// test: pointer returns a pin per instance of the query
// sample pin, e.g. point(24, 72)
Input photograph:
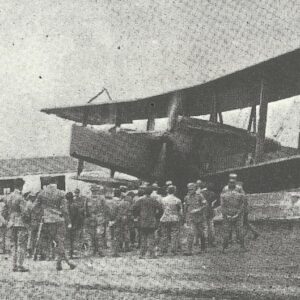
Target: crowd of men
point(151, 218)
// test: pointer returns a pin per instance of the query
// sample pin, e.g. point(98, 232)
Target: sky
point(55, 53)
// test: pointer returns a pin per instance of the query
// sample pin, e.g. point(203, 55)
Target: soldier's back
point(51, 200)
point(14, 209)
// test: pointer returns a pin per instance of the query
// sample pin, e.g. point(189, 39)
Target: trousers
point(170, 235)
point(121, 237)
point(147, 241)
point(93, 238)
point(19, 237)
point(233, 225)
point(211, 231)
point(56, 236)
point(3, 238)
point(197, 228)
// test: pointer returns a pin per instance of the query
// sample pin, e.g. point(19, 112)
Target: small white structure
point(34, 170)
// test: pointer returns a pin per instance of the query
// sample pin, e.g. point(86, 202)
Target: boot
point(101, 254)
point(22, 269)
point(58, 266)
point(203, 244)
point(72, 266)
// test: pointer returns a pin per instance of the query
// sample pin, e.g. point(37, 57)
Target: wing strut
point(262, 123)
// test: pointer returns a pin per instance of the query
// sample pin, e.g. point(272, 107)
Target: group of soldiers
point(151, 218)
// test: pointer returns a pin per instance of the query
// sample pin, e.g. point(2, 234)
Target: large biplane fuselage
point(191, 150)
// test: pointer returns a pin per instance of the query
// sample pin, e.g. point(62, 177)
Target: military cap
point(77, 191)
point(148, 190)
point(69, 196)
point(232, 177)
point(191, 185)
point(131, 193)
point(117, 192)
point(169, 182)
point(30, 194)
point(123, 188)
point(95, 188)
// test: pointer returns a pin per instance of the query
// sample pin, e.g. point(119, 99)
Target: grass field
point(269, 270)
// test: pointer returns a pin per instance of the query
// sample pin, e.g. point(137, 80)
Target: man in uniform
point(199, 186)
point(211, 200)
point(170, 220)
point(232, 207)
point(78, 219)
point(3, 228)
point(129, 198)
point(139, 195)
point(195, 211)
point(113, 204)
point(35, 218)
point(96, 212)
point(148, 210)
point(16, 214)
point(56, 218)
point(123, 190)
point(73, 213)
point(121, 215)
point(158, 232)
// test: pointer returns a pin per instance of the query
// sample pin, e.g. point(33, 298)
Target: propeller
point(173, 111)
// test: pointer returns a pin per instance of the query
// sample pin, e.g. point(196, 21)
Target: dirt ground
point(269, 270)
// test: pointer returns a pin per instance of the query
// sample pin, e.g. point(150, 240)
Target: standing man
point(199, 186)
point(170, 221)
point(211, 200)
point(56, 218)
point(129, 198)
point(73, 213)
point(123, 190)
point(3, 228)
point(136, 220)
point(96, 212)
point(16, 214)
point(148, 210)
point(113, 207)
point(158, 232)
point(232, 207)
point(78, 219)
point(195, 211)
point(121, 217)
point(35, 217)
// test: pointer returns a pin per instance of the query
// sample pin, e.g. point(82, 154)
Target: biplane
point(194, 148)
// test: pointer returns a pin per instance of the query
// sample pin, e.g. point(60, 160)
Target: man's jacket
point(15, 210)
point(54, 205)
point(149, 210)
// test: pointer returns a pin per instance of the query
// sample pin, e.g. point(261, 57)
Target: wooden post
point(252, 119)
point(84, 124)
point(151, 117)
point(174, 108)
point(214, 111)
point(220, 117)
point(262, 123)
point(112, 173)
